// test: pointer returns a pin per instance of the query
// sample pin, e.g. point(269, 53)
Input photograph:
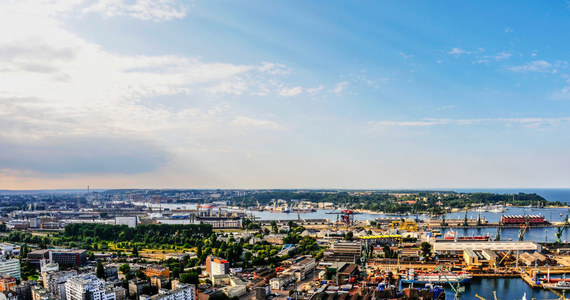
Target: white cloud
point(405, 56)
point(340, 87)
point(155, 10)
point(534, 66)
point(246, 122)
point(457, 51)
point(316, 90)
point(55, 84)
point(502, 56)
point(291, 92)
point(525, 122)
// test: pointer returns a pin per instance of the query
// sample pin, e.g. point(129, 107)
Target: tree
point(191, 277)
point(100, 270)
point(465, 220)
point(125, 268)
point(274, 227)
point(426, 250)
point(348, 236)
point(135, 251)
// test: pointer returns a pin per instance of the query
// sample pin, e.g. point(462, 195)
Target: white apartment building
point(182, 292)
point(10, 267)
point(87, 287)
point(54, 282)
point(9, 249)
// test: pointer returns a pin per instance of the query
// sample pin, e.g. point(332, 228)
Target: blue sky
point(284, 94)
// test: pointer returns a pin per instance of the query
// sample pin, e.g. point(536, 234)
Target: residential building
point(217, 266)
point(7, 283)
point(87, 287)
point(281, 282)
point(182, 292)
point(10, 267)
point(160, 281)
point(9, 249)
point(156, 270)
point(39, 293)
point(54, 282)
point(136, 287)
point(24, 289)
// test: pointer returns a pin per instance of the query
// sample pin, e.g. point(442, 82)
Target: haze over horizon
point(296, 94)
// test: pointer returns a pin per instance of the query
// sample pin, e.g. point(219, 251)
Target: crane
point(456, 289)
point(523, 228)
point(560, 229)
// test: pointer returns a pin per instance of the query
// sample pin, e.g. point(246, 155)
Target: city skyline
point(251, 94)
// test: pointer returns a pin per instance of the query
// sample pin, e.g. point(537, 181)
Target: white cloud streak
point(525, 122)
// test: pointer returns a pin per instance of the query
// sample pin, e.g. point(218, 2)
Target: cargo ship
point(452, 235)
point(435, 278)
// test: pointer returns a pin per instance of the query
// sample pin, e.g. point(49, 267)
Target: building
point(450, 246)
point(87, 287)
point(152, 271)
point(304, 267)
point(24, 289)
point(136, 287)
point(182, 292)
point(111, 273)
point(9, 249)
point(68, 257)
point(217, 266)
point(8, 295)
point(343, 251)
point(281, 282)
point(131, 222)
point(518, 219)
point(54, 282)
point(10, 267)
point(36, 256)
point(160, 281)
point(7, 283)
point(64, 257)
point(39, 293)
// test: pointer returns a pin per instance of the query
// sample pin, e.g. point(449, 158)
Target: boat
point(452, 235)
point(436, 278)
point(561, 285)
point(436, 232)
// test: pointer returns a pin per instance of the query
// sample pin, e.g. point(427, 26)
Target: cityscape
point(284, 150)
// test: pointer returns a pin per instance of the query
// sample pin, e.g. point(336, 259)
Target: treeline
point(419, 202)
point(163, 234)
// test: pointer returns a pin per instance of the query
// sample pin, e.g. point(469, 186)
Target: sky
point(284, 94)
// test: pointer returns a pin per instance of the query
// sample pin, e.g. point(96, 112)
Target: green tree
point(426, 250)
point(191, 277)
point(100, 270)
point(125, 268)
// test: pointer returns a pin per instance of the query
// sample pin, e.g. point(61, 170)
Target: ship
point(452, 235)
point(561, 285)
point(436, 278)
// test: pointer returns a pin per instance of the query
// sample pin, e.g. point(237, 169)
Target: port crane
point(457, 289)
point(560, 229)
point(524, 228)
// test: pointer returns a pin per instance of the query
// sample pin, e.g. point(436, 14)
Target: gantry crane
point(560, 229)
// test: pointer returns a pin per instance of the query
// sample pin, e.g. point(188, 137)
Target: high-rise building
point(54, 282)
point(10, 267)
point(217, 266)
point(87, 287)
